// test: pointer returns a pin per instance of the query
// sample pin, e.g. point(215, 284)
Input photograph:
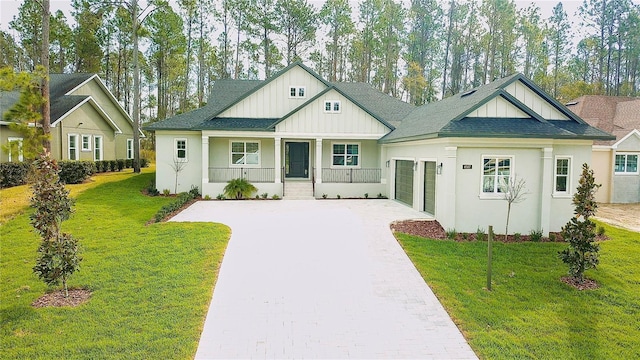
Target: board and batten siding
point(534, 101)
point(272, 100)
point(500, 108)
point(351, 119)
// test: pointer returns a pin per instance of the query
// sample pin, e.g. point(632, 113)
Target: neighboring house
point(87, 122)
point(615, 162)
point(448, 159)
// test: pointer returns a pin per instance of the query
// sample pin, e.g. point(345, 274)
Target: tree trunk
point(136, 89)
point(46, 106)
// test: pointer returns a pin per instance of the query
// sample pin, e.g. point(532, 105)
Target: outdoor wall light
point(388, 162)
point(439, 169)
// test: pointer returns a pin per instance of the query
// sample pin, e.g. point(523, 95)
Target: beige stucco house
point(298, 134)
point(615, 162)
point(87, 122)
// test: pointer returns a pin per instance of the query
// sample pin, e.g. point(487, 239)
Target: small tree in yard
point(177, 166)
point(514, 192)
point(58, 252)
point(582, 253)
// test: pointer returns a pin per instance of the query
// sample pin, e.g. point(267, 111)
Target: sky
point(9, 8)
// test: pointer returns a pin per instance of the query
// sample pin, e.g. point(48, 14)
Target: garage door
point(404, 181)
point(430, 187)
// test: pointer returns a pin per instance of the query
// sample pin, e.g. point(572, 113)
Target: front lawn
point(151, 284)
point(530, 313)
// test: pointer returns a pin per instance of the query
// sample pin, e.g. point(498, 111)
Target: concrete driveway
point(320, 279)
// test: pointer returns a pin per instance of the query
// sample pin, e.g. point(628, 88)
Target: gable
point(87, 117)
point(107, 102)
point(498, 107)
point(312, 119)
point(272, 100)
point(534, 101)
point(631, 142)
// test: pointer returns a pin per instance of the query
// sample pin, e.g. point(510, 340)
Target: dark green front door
point(404, 181)
point(297, 159)
point(430, 187)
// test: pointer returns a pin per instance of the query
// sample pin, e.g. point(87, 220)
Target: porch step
point(298, 190)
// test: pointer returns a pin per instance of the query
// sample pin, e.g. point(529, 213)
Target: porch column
point(318, 161)
point(278, 160)
point(205, 161)
point(547, 189)
point(448, 217)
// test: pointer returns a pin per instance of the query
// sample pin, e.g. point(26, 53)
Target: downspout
point(61, 142)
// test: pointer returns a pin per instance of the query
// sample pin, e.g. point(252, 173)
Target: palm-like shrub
point(239, 189)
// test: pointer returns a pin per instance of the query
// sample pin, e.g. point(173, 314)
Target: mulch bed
point(586, 284)
point(57, 299)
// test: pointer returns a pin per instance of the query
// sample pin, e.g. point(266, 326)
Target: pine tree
point(582, 253)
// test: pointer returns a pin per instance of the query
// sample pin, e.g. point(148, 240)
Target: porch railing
point(258, 175)
point(330, 175)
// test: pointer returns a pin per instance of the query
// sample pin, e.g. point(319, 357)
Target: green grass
point(151, 284)
point(529, 313)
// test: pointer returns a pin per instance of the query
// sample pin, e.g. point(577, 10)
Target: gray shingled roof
point(237, 124)
point(382, 105)
point(447, 118)
point(59, 85)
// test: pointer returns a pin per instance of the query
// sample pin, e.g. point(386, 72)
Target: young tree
point(579, 232)
point(58, 252)
point(514, 192)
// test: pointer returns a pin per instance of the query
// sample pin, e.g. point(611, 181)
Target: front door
point(297, 159)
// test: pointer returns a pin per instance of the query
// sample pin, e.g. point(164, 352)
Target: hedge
point(13, 174)
point(176, 205)
point(75, 172)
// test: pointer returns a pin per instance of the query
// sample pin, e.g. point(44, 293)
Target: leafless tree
point(514, 191)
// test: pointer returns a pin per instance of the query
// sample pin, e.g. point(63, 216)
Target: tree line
point(419, 50)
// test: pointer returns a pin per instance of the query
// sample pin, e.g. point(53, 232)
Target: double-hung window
point(496, 174)
point(245, 153)
point(180, 149)
point(15, 149)
point(297, 91)
point(72, 142)
point(332, 106)
point(86, 142)
point(129, 148)
point(562, 177)
point(346, 154)
point(97, 148)
point(626, 164)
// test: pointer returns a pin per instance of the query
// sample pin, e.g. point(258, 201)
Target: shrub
point(166, 192)
point(220, 197)
point(324, 196)
point(151, 189)
point(13, 174)
point(517, 237)
point(176, 205)
point(552, 237)
point(535, 235)
point(380, 196)
point(195, 191)
point(338, 196)
point(275, 197)
point(239, 189)
point(75, 172)
point(128, 163)
point(600, 231)
point(480, 235)
point(120, 164)
point(264, 195)
point(366, 195)
point(451, 234)
point(113, 165)
point(207, 197)
point(144, 163)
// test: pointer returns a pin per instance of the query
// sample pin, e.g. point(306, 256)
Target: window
point(245, 153)
point(181, 149)
point(496, 173)
point(97, 148)
point(86, 142)
point(562, 178)
point(626, 164)
point(129, 148)
point(346, 154)
point(15, 149)
point(297, 91)
point(73, 147)
point(332, 106)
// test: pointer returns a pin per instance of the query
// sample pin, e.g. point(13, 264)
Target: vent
point(571, 103)
point(467, 93)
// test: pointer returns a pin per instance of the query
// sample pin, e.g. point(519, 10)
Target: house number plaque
point(467, 166)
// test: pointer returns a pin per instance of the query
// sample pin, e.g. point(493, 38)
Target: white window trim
point(20, 148)
point(297, 88)
point(568, 193)
point(332, 102)
point(76, 149)
point(82, 148)
point(101, 148)
point(245, 141)
point(186, 150)
point(345, 143)
point(626, 155)
point(130, 142)
point(512, 170)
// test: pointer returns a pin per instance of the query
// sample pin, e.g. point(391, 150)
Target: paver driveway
point(320, 279)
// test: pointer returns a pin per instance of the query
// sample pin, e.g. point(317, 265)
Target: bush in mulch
point(57, 299)
point(586, 284)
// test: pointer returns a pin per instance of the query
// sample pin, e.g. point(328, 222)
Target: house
point(87, 122)
point(450, 159)
point(615, 162)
